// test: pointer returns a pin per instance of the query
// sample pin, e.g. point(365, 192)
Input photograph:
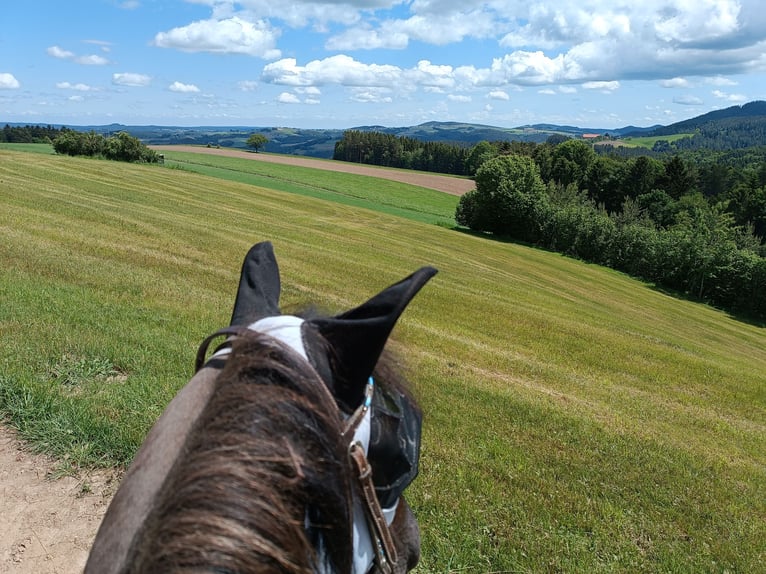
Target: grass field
point(648, 142)
point(576, 420)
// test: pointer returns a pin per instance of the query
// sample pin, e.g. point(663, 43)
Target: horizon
point(391, 63)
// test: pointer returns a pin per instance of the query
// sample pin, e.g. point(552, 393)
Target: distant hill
point(736, 127)
point(731, 128)
point(756, 109)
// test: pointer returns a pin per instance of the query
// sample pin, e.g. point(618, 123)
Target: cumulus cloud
point(77, 87)
point(675, 83)
point(340, 69)
point(8, 82)
point(605, 87)
point(498, 95)
point(89, 60)
point(550, 44)
point(288, 98)
point(183, 88)
point(131, 79)
point(734, 98)
point(229, 36)
point(459, 98)
point(60, 53)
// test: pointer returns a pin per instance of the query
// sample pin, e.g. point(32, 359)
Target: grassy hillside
point(576, 420)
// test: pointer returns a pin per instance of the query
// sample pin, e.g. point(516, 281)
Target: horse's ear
point(259, 286)
point(357, 337)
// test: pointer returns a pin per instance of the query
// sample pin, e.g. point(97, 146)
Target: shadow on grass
point(740, 316)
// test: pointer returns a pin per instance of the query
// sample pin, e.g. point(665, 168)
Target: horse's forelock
point(271, 435)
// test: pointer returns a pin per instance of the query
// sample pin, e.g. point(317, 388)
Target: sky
point(347, 63)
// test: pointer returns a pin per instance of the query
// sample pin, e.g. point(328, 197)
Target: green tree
point(481, 152)
point(257, 141)
point(510, 199)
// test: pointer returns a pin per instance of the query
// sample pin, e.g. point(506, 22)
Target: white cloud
point(77, 87)
point(8, 82)
point(688, 100)
point(498, 95)
point(459, 98)
point(675, 83)
point(288, 98)
point(340, 69)
point(735, 98)
point(372, 95)
point(605, 87)
point(60, 53)
point(230, 36)
point(183, 88)
point(76, 99)
point(131, 79)
point(547, 92)
point(720, 81)
point(92, 60)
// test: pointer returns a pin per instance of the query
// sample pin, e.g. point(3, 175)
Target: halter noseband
point(378, 524)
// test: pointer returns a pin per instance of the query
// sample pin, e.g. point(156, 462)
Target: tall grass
point(576, 420)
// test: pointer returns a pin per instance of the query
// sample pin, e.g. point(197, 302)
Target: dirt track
point(445, 183)
point(46, 525)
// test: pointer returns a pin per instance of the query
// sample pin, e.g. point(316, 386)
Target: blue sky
point(338, 64)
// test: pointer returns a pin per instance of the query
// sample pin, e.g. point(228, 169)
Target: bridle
point(356, 430)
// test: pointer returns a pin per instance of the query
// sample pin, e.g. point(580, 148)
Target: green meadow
point(648, 142)
point(576, 420)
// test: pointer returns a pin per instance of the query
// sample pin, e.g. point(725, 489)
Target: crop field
point(576, 420)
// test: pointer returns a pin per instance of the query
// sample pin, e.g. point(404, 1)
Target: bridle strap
point(199, 361)
point(385, 551)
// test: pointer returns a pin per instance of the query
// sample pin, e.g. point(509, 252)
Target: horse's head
point(345, 350)
point(378, 422)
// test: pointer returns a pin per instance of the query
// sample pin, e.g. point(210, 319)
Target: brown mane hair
point(266, 448)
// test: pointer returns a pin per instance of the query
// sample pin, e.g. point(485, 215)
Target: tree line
point(383, 149)
point(29, 134)
point(658, 226)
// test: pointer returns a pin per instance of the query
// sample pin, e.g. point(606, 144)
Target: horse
point(289, 450)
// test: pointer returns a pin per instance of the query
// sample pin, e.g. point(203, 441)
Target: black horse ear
point(259, 286)
point(358, 336)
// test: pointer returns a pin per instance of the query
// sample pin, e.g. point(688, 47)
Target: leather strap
point(386, 555)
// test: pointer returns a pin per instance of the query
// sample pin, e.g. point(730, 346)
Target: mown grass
point(393, 198)
point(576, 420)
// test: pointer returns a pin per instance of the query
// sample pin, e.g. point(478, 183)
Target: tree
point(510, 199)
point(479, 153)
point(257, 141)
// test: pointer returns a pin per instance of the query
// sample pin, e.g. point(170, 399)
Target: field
point(648, 142)
point(577, 420)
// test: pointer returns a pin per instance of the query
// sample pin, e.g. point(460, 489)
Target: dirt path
point(46, 525)
point(445, 183)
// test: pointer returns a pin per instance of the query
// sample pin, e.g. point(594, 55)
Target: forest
point(694, 229)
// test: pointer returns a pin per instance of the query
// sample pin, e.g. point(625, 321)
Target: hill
point(576, 420)
point(736, 127)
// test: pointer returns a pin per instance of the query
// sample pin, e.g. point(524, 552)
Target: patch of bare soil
point(445, 183)
point(47, 525)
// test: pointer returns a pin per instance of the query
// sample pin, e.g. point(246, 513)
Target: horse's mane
point(265, 448)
